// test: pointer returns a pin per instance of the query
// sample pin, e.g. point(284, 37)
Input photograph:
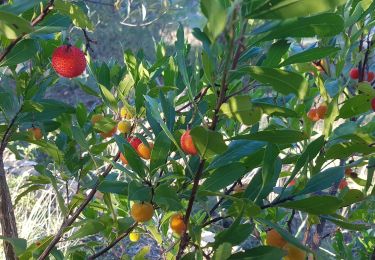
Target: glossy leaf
point(241, 109)
point(310, 55)
point(355, 106)
point(160, 151)
point(75, 13)
point(314, 205)
point(216, 17)
point(282, 81)
point(13, 26)
point(23, 51)
point(280, 136)
point(259, 253)
point(207, 142)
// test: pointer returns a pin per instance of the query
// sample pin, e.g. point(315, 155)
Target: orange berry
point(274, 239)
point(321, 111)
point(187, 144)
point(177, 224)
point(124, 127)
point(36, 133)
point(142, 212)
point(313, 115)
point(294, 253)
point(144, 151)
point(123, 159)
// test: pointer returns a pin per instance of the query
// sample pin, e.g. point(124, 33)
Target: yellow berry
point(134, 237)
point(124, 127)
point(125, 113)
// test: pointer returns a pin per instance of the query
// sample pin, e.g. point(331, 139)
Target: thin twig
point(118, 239)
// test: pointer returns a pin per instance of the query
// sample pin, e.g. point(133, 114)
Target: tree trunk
point(7, 219)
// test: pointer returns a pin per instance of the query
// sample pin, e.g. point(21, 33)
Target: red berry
point(354, 74)
point(370, 76)
point(68, 61)
point(373, 104)
point(343, 183)
point(134, 142)
point(187, 143)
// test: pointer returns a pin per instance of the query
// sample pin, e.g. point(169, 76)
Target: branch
point(88, 42)
point(70, 221)
point(118, 239)
point(34, 22)
point(197, 98)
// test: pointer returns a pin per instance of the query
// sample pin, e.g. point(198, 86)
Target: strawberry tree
point(266, 127)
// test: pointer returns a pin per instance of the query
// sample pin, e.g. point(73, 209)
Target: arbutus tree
point(268, 126)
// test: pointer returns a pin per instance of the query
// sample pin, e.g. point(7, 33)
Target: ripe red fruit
point(370, 76)
point(343, 184)
point(68, 61)
point(134, 142)
point(187, 144)
point(354, 74)
point(313, 115)
point(373, 104)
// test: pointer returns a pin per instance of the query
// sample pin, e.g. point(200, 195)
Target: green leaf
point(345, 149)
point(275, 53)
point(23, 51)
point(270, 171)
point(167, 198)
point(139, 192)
point(310, 55)
point(88, 227)
point(79, 18)
point(274, 110)
point(208, 143)
point(19, 244)
point(323, 25)
point(282, 81)
point(279, 136)
point(224, 176)
point(216, 17)
point(345, 224)
point(108, 97)
point(141, 255)
point(351, 197)
point(236, 151)
point(235, 234)
point(283, 9)
point(135, 162)
point(323, 180)
point(117, 187)
point(223, 252)
point(81, 114)
point(159, 153)
point(315, 205)
point(13, 26)
point(79, 137)
point(244, 207)
point(241, 109)
point(355, 106)
point(259, 253)
point(49, 148)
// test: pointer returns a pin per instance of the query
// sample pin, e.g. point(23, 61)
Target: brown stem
point(70, 221)
point(34, 22)
point(197, 98)
point(118, 239)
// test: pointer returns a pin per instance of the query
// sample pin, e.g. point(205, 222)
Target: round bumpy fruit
point(354, 73)
point(36, 133)
point(177, 224)
point(68, 61)
point(373, 104)
point(321, 111)
point(370, 76)
point(134, 237)
point(142, 212)
point(124, 127)
point(274, 239)
point(134, 142)
point(145, 151)
point(294, 253)
point(123, 159)
point(313, 115)
point(187, 143)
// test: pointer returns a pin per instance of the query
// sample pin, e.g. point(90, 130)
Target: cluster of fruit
point(354, 74)
point(317, 113)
